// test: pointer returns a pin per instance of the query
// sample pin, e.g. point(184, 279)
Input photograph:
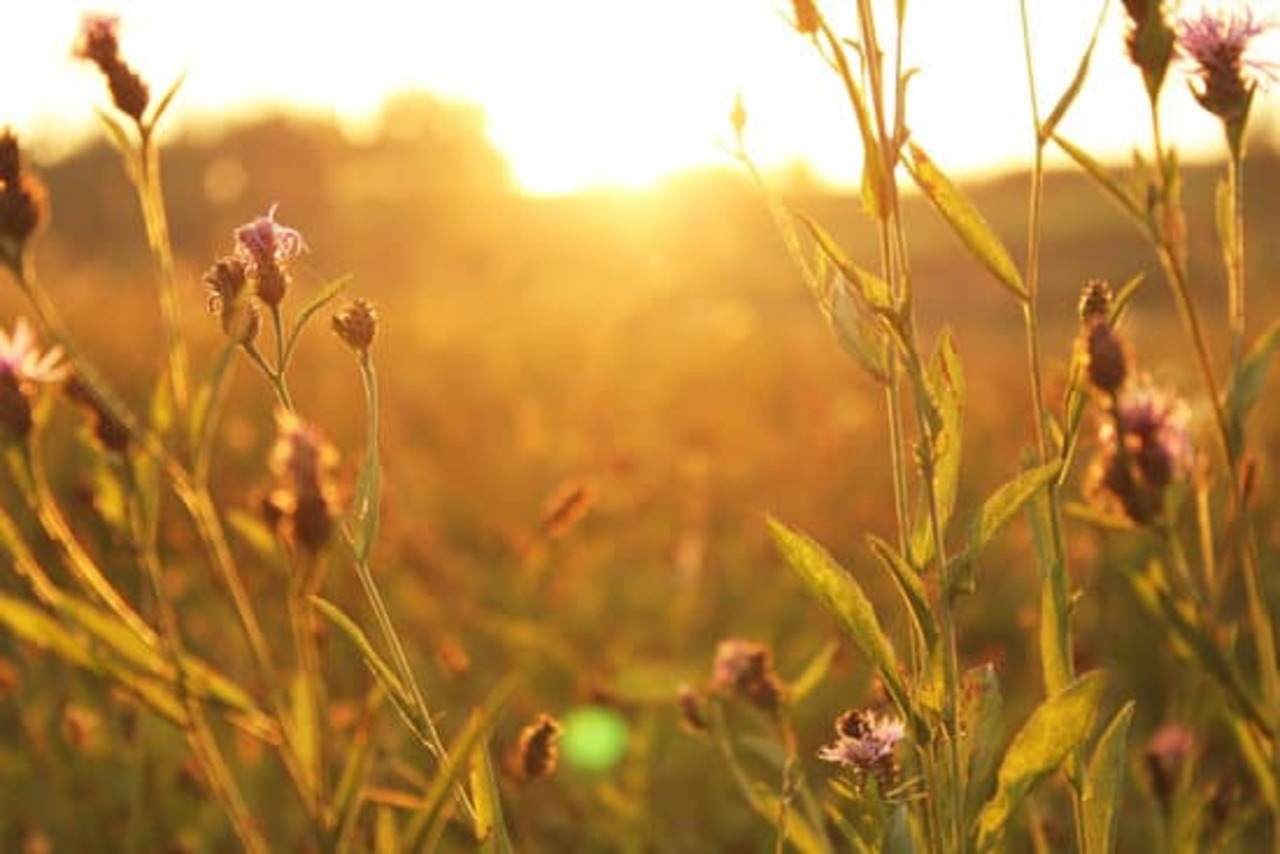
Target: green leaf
point(1003, 505)
point(255, 534)
point(836, 589)
point(980, 709)
point(119, 139)
point(325, 296)
point(870, 287)
point(489, 826)
point(965, 220)
point(166, 100)
point(947, 393)
point(1247, 384)
point(1122, 196)
point(1050, 124)
point(813, 674)
point(202, 409)
point(1104, 783)
point(857, 334)
point(1054, 608)
point(911, 588)
point(1058, 727)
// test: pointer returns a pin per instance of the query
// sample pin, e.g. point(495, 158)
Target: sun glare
point(584, 93)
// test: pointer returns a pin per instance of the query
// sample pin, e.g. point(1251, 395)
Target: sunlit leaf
point(813, 674)
point(1104, 783)
point(965, 220)
point(1058, 727)
point(910, 586)
point(1247, 384)
point(323, 297)
point(1122, 196)
point(1002, 506)
point(489, 826)
point(981, 706)
point(1050, 124)
point(946, 388)
point(166, 100)
point(202, 408)
point(870, 286)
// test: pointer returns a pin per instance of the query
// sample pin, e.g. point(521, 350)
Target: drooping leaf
point(836, 589)
point(1059, 726)
point(966, 222)
point(1104, 783)
point(1246, 386)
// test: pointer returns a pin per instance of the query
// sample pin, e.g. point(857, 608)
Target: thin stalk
point(308, 658)
point(1235, 258)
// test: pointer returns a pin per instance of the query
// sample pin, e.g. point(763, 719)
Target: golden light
point(584, 93)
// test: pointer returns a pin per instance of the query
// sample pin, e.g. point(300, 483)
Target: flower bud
point(1107, 360)
point(745, 668)
point(537, 751)
point(356, 325)
point(1095, 302)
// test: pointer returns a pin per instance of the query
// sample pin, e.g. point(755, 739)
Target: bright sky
point(582, 93)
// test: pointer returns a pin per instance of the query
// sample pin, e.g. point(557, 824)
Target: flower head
point(356, 325)
point(867, 743)
point(1220, 44)
point(537, 751)
point(23, 205)
point(1149, 41)
point(1145, 446)
point(266, 247)
point(305, 501)
point(23, 369)
point(745, 668)
point(226, 281)
point(99, 42)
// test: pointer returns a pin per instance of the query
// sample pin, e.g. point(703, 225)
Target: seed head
point(266, 248)
point(99, 43)
point(1219, 46)
point(1145, 446)
point(23, 370)
point(867, 742)
point(356, 325)
point(745, 668)
point(306, 497)
point(23, 202)
point(537, 751)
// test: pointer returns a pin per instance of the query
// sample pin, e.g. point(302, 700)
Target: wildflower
point(23, 205)
point(226, 280)
point(692, 714)
point(1150, 41)
point(23, 369)
point(105, 428)
point(537, 751)
point(1219, 44)
point(99, 43)
point(1146, 446)
point(867, 743)
point(807, 18)
point(745, 668)
point(266, 248)
point(1165, 758)
point(356, 325)
point(1107, 361)
point(305, 502)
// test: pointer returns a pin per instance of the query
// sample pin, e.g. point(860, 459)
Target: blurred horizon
point(647, 101)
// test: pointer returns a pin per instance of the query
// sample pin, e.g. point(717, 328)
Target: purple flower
point(867, 743)
point(1220, 44)
point(1145, 446)
point(265, 242)
point(21, 359)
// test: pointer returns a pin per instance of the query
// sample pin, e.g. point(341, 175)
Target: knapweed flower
point(228, 299)
point(745, 668)
point(99, 42)
point(23, 206)
point(537, 750)
point(23, 369)
point(1165, 758)
point(266, 247)
point(305, 499)
point(1150, 41)
point(867, 743)
point(356, 325)
point(1220, 44)
point(1146, 446)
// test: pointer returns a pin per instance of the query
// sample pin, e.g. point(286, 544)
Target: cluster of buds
point(536, 753)
point(304, 504)
point(356, 325)
point(1218, 46)
point(1150, 41)
point(23, 206)
point(99, 43)
point(266, 248)
point(106, 430)
point(23, 371)
point(1144, 437)
point(745, 668)
point(867, 743)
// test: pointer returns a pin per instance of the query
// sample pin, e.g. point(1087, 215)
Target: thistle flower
point(867, 742)
point(226, 281)
point(745, 668)
point(23, 369)
point(537, 751)
point(306, 497)
point(1145, 446)
point(23, 205)
point(356, 325)
point(99, 42)
point(266, 248)
point(1220, 45)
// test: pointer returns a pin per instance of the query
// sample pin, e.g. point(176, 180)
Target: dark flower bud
point(537, 751)
point(23, 202)
point(1108, 363)
point(356, 325)
point(745, 668)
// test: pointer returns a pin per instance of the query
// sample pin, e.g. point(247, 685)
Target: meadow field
point(230, 620)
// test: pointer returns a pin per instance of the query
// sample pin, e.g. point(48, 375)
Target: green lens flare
point(594, 738)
